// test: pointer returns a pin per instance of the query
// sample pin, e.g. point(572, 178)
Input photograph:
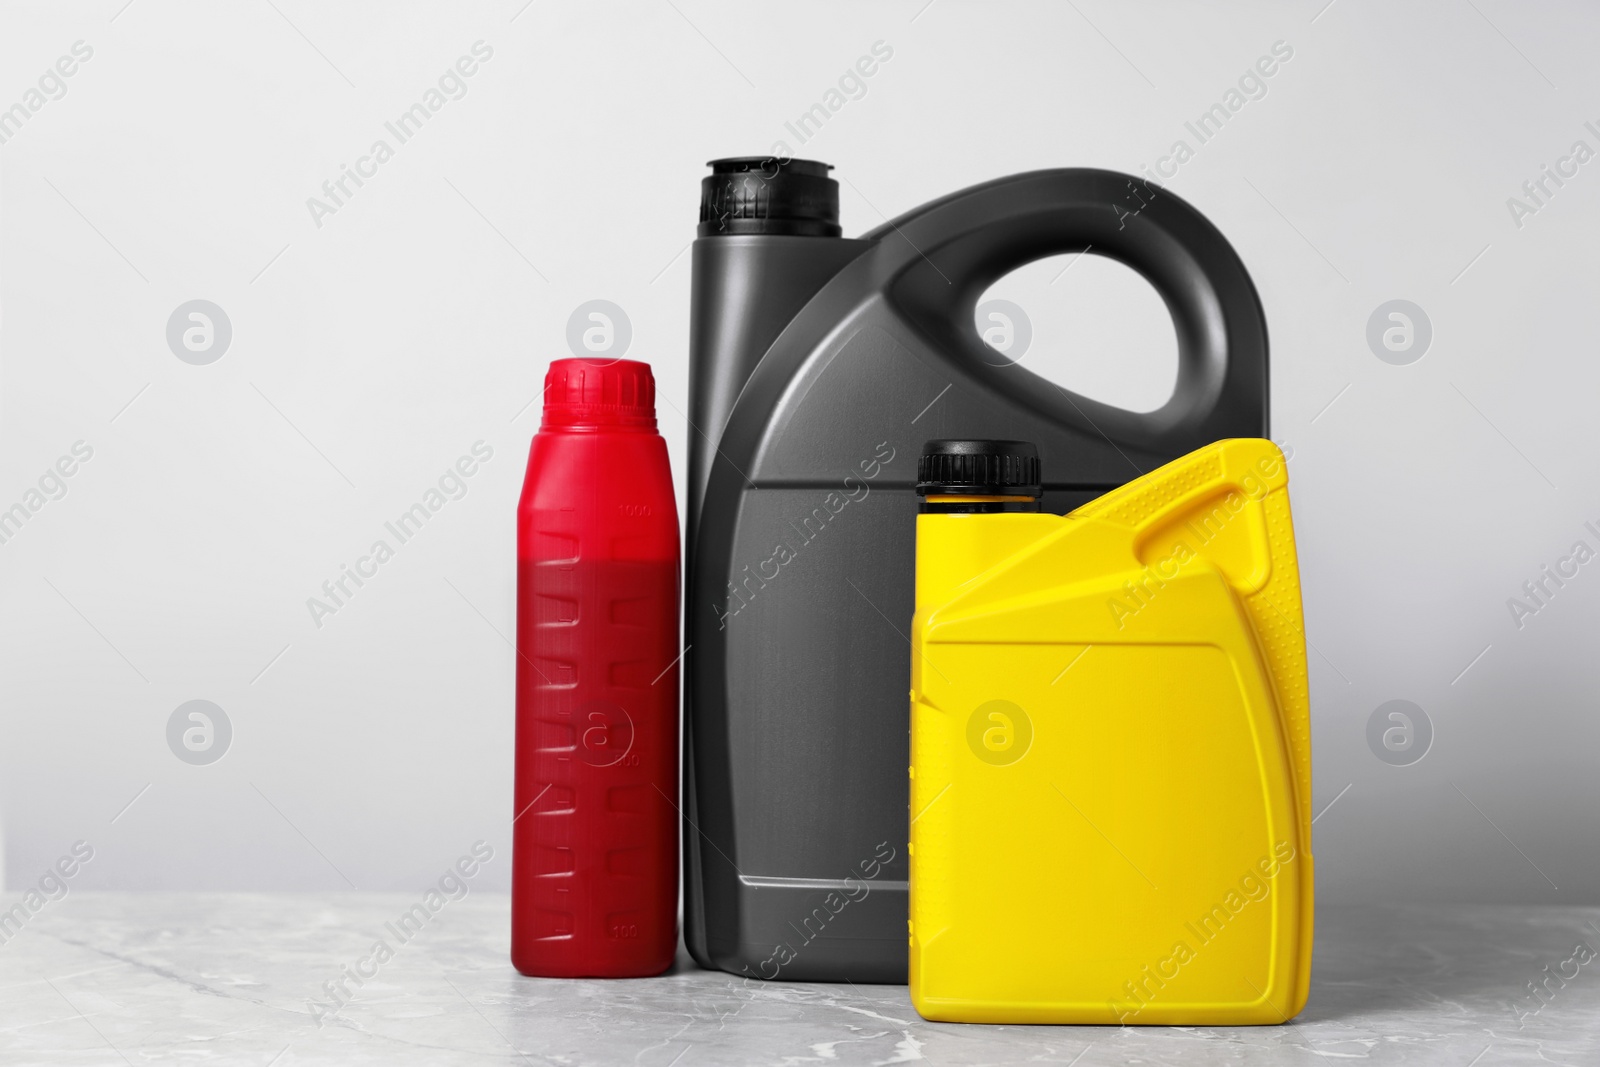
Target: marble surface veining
point(235, 978)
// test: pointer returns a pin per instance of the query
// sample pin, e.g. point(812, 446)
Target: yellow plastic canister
point(1111, 763)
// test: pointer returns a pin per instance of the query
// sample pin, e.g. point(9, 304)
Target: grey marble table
point(231, 978)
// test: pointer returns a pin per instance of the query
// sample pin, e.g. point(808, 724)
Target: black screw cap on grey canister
point(764, 195)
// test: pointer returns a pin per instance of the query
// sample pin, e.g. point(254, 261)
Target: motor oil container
point(819, 365)
point(594, 874)
point(1110, 752)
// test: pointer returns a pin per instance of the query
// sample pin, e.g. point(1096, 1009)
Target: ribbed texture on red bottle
point(600, 392)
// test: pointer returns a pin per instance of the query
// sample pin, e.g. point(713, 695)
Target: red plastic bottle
point(594, 875)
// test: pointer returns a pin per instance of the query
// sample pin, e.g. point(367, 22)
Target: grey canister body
point(819, 366)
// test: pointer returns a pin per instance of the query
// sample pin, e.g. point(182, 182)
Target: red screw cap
point(600, 392)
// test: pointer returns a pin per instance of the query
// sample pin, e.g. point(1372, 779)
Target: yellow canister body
point(1111, 761)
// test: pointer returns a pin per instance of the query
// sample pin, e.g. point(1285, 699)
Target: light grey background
point(369, 353)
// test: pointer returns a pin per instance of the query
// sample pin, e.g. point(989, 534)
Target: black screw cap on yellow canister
point(978, 476)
